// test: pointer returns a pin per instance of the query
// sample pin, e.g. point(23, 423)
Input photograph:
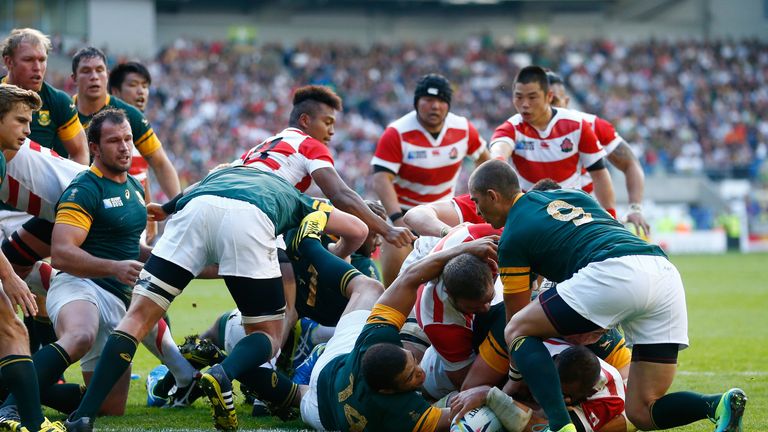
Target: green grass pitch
point(728, 327)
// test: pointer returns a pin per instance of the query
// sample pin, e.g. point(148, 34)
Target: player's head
point(110, 141)
point(532, 96)
point(130, 82)
point(374, 239)
point(560, 98)
point(314, 111)
point(89, 72)
point(389, 368)
point(579, 371)
point(493, 187)
point(25, 55)
point(16, 108)
point(469, 283)
point(432, 99)
point(545, 185)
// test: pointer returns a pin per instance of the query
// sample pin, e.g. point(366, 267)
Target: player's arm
point(77, 147)
point(351, 231)
point(433, 219)
point(603, 186)
point(69, 232)
point(401, 295)
point(501, 149)
point(625, 160)
point(483, 156)
point(517, 286)
point(16, 289)
point(344, 198)
point(164, 171)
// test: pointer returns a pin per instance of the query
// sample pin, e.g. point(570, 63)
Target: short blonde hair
point(17, 36)
point(10, 96)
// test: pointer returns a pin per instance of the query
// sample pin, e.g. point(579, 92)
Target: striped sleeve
point(70, 213)
point(389, 151)
point(495, 354)
point(428, 420)
point(148, 143)
point(70, 128)
point(590, 150)
point(383, 314)
point(515, 279)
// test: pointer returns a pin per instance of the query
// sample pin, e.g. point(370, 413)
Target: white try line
point(711, 373)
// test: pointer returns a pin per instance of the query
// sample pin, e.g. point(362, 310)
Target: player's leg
point(547, 317)
point(17, 368)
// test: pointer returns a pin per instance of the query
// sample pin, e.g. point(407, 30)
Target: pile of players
point(458, 325)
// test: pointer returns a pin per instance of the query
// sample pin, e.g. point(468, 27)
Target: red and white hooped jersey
point(425, 167)
point(35, 179)
point(450, 331)
point(139, 167)
point(466, 209)
point(606, 136)
point(559, 152)
point(607, 402)
point(291, 155)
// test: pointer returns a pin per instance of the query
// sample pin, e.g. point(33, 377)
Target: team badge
point(454, 153)
point(44, 117)
point(566, 146)
point(127, 194)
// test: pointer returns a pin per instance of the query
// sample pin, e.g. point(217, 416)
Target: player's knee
point(364, 285)
point(639, 414)
point(513, 331)
point(78, 342)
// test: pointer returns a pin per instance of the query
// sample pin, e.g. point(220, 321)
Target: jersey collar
point(96, 171)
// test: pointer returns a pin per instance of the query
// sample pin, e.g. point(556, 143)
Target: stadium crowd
point(685, 107)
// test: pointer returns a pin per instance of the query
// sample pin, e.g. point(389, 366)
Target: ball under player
point(16, 108)
point(605, 277)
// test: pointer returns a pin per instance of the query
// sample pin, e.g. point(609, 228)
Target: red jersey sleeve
point(466, 209)
point(475, 143)
point(389, 150)
point(606, 135)
point(590, 151)
point(317, 154)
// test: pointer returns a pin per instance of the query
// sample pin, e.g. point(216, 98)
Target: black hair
point(87, 52)
point(578, 364)
point(533, 74)
point(496, 175)
point(120, 72)
point(381, 365)
point(467, 277)
point(554, 78)
point(112, 115)
point(546, 184)
point(306, 100)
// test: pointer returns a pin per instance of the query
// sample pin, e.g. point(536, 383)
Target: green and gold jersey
point(283, 204)
point(557, 233)
point(366, 265)
point(347, 403)
point(144, 137)
point(114, 216)
point(2, 167)
point(56, 121)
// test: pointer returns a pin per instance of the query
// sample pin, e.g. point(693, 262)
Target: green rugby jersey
point(347, 403)
point(144, 137)
point(2, 167)
point(113, 214)
point(283, 204)
point(366, 265)
point(56, 121)
point(556, 233)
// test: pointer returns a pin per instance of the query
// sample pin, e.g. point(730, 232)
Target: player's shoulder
point(405, 123)
point(569, 115)
point(52, 95)
point(456, 121)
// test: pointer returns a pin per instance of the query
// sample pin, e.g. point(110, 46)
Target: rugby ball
point(478, 420)
point(636, 230)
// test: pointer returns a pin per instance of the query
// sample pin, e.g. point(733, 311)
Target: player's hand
point(468, 400)
point(155, 212)
point(19, 294)
point(127, 271)
point(399, 235)
point(485, 248)
point(638, 219)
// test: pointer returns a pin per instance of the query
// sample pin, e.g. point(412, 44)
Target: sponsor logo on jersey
point(44, 117)
point(544, 145)
point(523, 145)
point(113, 202)
point(566, 146)
point(417, 154)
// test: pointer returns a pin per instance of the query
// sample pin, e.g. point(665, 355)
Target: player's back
point(292, 155)
point(559, 232)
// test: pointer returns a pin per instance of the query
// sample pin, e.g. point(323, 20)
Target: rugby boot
point(217, 386)
point(730, 411)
